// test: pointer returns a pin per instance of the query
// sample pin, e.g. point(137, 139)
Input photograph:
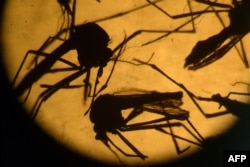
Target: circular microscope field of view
point(135, 82)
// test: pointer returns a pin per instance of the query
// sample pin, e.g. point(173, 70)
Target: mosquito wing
point(208, 51)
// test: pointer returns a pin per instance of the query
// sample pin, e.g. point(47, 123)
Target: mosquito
point(106, 115)
point(232, 106)
point(215, 47)
point(91, 43)
point(235, 107)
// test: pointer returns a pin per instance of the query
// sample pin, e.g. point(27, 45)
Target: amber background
point(18, 39)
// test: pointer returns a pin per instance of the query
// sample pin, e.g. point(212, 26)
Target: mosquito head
point(106, 115)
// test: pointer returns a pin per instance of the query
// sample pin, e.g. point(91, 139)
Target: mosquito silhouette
point(234, 107)
point(106, 114)
point(215, 47)
point(91, 43)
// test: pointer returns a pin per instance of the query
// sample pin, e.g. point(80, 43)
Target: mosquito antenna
point(131, 146)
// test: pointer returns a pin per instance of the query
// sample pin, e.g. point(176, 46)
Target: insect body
point(106, 114)
point(102, 110)
point(207, 51)
point(90, 42)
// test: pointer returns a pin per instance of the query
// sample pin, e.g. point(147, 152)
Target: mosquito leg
point(27, 96)
point(196, 131)
point(98, 75)
point(178, 137)
point(190, 94)
point(50, 91)
point(136, 33)
point(179, 151)
point(50, 40)
point(120, 150)
point(64, 87)
point(120, 47)
point(165, 32)
point(244, 55)
point(22, 63)
point(123, 13)
point(19, 70)
point(192, 14)
point(55, 70)
point(94, 93)
point(160, 126)
point(38, 53)
point(237, 93)
point(46, 44)
point(200, 138)
point(107, 81)
point(173, 16)
point(214, 3)
point(61, 83)
point(63, 70)
point(131, 146)
point(86, 85)
point(133, 114)
point(234, 107)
